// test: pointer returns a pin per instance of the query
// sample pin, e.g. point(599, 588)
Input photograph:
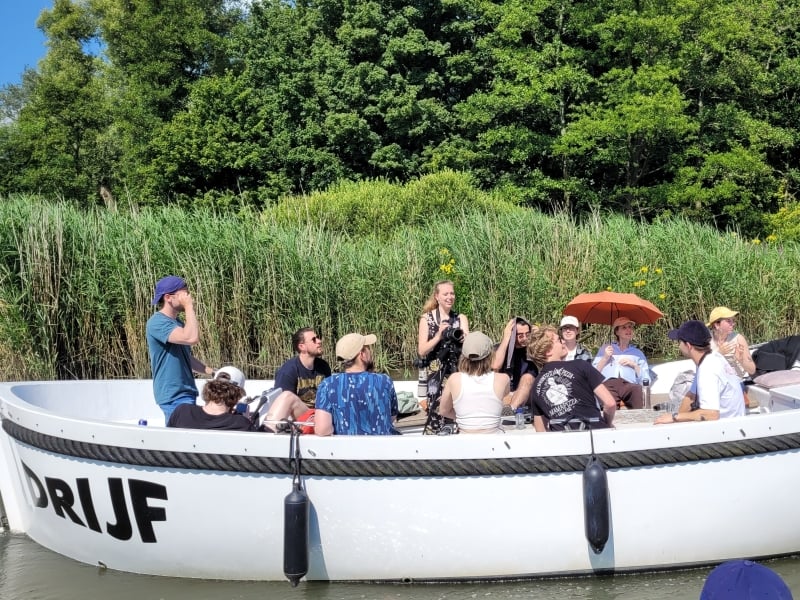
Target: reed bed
point(76, 284)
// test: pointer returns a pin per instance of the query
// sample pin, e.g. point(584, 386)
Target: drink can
point(142, 421)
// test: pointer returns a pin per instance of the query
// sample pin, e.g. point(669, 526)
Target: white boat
point(80, 477)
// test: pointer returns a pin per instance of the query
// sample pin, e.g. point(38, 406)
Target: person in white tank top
point(474, 395)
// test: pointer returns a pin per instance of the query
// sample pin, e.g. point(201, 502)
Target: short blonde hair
point(541, 343)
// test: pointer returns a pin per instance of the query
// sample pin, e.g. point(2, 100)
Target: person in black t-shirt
point(566, 392)
point(512, 359)
point(302, 374)
point(220, 397)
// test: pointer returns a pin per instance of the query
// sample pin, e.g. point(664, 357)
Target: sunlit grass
point(75, 285)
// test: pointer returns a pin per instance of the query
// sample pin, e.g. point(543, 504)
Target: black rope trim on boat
point(398, 468)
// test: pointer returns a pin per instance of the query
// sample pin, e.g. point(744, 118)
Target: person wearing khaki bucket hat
point(623, 365)
point(356, 401)
point(473, 395)
point(729, 342)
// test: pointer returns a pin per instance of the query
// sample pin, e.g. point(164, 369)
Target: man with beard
point(566, 392)
point(303, 373)
point(356, 401)
point(169, 342)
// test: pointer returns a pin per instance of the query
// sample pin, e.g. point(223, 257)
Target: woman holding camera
point(441, 331)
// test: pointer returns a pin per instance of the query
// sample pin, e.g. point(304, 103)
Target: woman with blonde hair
point(441, 331)
point(474, 395)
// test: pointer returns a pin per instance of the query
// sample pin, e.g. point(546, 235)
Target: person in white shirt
point(719, 390)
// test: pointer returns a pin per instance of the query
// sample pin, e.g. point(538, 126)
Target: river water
point(30, 572)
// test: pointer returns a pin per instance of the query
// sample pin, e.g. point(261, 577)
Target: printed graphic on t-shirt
point(307, 388)
point(557, 392)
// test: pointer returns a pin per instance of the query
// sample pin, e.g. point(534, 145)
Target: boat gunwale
point(424, 467)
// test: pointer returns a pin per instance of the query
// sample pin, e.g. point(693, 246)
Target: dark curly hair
point(221, 391)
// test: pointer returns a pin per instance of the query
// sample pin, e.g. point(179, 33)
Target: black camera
point(453, 335)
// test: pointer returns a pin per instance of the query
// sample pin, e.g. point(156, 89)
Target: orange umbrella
point(606, 307)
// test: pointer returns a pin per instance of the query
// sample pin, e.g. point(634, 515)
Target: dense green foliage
point(649, 109)
point(76, 284)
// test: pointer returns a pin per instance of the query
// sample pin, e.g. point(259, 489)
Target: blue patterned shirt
point(359, 403)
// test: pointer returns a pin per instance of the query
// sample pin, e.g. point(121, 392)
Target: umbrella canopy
point(606, 307)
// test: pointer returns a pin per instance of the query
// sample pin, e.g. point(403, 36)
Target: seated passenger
point(570, 329)
point(473, 396)
point(623, 366)
point(511, 358)
point(719, 390)
point(302, 374)
point(729, 342)
point(356, 401)
point(220, 397)
point(566, 392)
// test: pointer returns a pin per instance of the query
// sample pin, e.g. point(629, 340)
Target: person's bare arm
point(608, 402)
point(500, 355)
point(742, 354)
point(189, 334)
point(323, 422)
point(446, 408)
point(523, 391)
point(425, 345)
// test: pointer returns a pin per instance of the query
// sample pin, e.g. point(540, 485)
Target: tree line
point(643, 107)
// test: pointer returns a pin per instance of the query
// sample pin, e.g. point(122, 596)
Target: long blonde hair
point(431, 303)
point(541, 344)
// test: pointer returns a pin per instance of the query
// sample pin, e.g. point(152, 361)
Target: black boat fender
point(295, 535)
point(595, 502)
point(295, 519)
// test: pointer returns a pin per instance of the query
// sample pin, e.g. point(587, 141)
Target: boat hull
point(402, 508)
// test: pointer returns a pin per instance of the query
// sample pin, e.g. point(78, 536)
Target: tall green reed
point(75, 285)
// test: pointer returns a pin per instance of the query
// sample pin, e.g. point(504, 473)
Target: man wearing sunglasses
point(303, 373)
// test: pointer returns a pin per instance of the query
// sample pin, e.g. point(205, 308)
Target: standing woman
point(437, 317)
point(730, 343)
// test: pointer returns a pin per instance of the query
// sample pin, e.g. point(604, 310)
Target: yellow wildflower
point(662, 296)
point(756, 241)
point(772, 238)
point(644, 269)
point(658, 271)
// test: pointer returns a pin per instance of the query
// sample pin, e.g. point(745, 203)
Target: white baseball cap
point(570, 320)
point(231, 374)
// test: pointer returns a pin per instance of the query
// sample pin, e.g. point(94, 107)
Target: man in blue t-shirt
point(169, 342)
point(303, 373)
point(357, 401)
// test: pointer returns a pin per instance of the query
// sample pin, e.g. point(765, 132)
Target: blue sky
point(21, 43)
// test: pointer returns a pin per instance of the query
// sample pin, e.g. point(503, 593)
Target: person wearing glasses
point(729, 342)
point(623, 365)
point(511, 358)
point(356, 401)
point(567, 394)
point(303, 373)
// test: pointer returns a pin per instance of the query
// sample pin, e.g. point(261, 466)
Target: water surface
point(30, 572)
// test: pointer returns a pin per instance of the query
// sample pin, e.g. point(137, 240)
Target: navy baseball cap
point(693, 332)
point(167, 285)
point(744, 580)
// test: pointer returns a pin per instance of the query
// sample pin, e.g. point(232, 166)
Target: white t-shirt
point(718, 387)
